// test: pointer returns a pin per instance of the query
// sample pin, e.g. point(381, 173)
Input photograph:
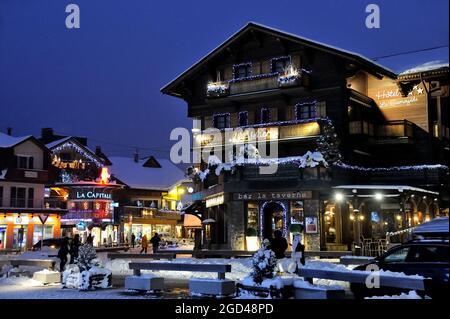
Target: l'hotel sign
point(272, 195)
point(90, 193)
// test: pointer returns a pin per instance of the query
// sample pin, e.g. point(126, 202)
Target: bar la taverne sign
point(272, 195)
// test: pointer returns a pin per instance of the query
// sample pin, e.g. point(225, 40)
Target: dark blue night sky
point(102, 80)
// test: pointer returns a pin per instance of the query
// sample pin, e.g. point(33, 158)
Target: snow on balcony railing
point(217, 88)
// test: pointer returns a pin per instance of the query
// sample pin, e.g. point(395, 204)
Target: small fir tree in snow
point(264, 263)
point(87, 258)
point(328, 143)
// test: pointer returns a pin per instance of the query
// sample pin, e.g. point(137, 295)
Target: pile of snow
point(275, 282)
point(95, 277)
point(304, 284)
point(438, 225)
point(341, 268)
point(23, 281)
point(411, 295)
point(309, 159)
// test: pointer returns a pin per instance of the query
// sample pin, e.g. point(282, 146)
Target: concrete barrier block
point(47, 276)
point(216, 287)
point(144, 283)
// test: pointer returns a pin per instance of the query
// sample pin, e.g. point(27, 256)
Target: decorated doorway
point(273, 217)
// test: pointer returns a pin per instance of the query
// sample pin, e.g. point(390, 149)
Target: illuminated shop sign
point(272, 195)
point(90, 193)
point(81, 226)
point(215, 201)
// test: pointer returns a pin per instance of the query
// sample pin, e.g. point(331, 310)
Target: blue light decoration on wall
point(374, 217)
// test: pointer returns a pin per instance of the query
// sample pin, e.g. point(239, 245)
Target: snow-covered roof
point(437, 225)
point(424, 67)
point(57, 142)
point(400, 188)
point(252, 25)
point(8, 140)
point(135, 175)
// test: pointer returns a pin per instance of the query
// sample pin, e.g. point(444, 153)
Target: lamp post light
point(338, 197)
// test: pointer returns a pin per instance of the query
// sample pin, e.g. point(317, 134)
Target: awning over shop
point(396, 188)
point(192, 221)
point(193, 208)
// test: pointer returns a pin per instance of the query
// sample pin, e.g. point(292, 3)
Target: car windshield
point(397, 256)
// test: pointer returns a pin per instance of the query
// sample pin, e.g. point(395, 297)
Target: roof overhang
point(371, 66)
point(395, 188)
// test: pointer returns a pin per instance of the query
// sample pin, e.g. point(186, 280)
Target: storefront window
point(37, 232)
point(252, 216)
point(165, 230)
point(297, 215)
point(330, 224)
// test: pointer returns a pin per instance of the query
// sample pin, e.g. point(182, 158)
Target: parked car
point(50, 242)
point(425, 257)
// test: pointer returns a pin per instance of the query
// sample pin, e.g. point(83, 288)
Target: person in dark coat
point(155, 242)
point(90, 240)
point(278, 244)
point(133, 240)
point(73, 251)
point(62, 253)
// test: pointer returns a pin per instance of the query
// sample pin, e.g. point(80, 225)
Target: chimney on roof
point(47, 133)
point(136, 156)
point(9, 131)
point(98, 150)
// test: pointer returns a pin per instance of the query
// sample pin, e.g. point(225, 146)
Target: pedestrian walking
point(62, 253)
point(133, 240)
point(144, 244)
point(155, 242)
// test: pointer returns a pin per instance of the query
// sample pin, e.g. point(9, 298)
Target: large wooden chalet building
point(384, 138)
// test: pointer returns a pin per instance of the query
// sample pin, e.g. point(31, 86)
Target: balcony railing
point(260, 82)
point(19, 174)
point(395, 129)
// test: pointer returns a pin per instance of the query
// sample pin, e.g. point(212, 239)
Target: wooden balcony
point(27, 175)
point(395, 132)
point(259, 83)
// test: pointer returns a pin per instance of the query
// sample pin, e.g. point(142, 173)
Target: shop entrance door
point(273, 219)
point(3, 236)
point(20, 237)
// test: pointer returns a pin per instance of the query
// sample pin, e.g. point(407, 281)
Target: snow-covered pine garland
point(264, 263)
point(250, 156)
point(86, 273)
point(392, 168)
point(87, 257)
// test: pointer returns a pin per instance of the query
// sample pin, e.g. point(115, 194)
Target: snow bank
point(304, 284)
point(330, 266)
point(276, 282)
point(411, 295)
point(240, 268)
point(20, 281)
